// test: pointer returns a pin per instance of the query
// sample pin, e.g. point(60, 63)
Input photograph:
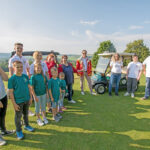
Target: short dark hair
point(18, 44)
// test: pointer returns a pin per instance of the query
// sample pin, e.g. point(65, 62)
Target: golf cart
point(101, 77)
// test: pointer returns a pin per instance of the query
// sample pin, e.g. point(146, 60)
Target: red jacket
point(50, 65)
point(80, 66)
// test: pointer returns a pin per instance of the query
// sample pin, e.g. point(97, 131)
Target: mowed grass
point(93, 123)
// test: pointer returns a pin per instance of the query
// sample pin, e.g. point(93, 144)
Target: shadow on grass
point(94, 123)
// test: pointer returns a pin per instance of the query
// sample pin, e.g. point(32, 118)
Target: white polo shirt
point(2, 88)
point(134, 69)
point(21, 59)
point(147, 63)
point(44, 67)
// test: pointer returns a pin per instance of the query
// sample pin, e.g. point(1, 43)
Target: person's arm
point(1, 104)
point(50, 93)
point(3, 75)
point(144, 69)
point(33, 93)
point(16, 107)
point(10, 71)
point(139, 76)
point(30, 92)
point(27, 68)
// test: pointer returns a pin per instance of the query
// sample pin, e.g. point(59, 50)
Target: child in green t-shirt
point(54, 91)
point(63, 91)
point(38, 84)
point(20, 95)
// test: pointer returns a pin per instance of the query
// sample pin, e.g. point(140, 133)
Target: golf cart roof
point(30, 53)
point(121, 54)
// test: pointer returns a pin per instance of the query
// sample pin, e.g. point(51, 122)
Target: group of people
point(133, 74)
point(45, 82)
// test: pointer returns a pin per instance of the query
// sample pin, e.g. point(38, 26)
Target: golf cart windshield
point(102, 64)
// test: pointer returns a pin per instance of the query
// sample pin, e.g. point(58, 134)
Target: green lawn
point(93, 123)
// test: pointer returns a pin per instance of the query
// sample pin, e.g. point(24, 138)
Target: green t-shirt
point(54, 86)
point(20, 86)
point(63, 85)
point(37, 81)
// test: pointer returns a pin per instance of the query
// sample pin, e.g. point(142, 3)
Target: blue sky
point(68, 26)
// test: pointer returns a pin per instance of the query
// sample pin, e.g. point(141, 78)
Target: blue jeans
point(115, 78)
point(147, 88)
point(69, 86)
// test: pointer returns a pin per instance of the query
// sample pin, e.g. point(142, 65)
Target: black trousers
point(24, 108)
point(3, 113)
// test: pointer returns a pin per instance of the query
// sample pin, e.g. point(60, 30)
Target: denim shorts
point(54, 104)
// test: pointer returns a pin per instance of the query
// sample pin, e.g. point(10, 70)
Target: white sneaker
point(92, 93)
point(132, 95)
point(45, 121)
point(2, 141)
point(82, 93)
point(40, 122)
point(126, 94)
point(72, 101)
point(30, 113)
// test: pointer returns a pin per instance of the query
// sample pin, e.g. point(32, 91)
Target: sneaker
point(59, 116)
point(72, 101)
point(82, 93)
point(2, 141)
point(126, 94)
point(56, 119)
point(116, 94)
point(30, 113)
point(20, 135)
point(60, 111)
point(144, 98)
point(132, 95)
point(45, 121)
point(7, 132)
point(64, 108)
point(29, 128)
point(50, 110)
point(40, 122)
point(92, 93)
point(110, 94)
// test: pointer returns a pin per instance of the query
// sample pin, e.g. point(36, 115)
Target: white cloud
point(119, 39)
point(75, 33)
point(134, 27)
point(147, 22)
point(91, 23)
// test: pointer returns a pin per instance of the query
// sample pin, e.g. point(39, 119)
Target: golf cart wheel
point(123, 81)
point(100, 88)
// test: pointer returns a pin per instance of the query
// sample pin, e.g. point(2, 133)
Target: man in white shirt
point(18, 47)
point(146, 71)
point(134, 71)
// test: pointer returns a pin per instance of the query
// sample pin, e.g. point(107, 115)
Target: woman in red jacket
point(84, 68)
point(51, 62)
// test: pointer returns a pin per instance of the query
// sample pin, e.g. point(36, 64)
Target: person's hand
point(127, 77)
point(36, 99)
point(1, 105)
point(63, 91)
point(16, 107)
point(52, 99)
point(138, 78)
point(47, 96)
point(30, 101)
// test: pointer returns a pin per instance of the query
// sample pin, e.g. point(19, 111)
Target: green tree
point(139, 48)
point(106, 46)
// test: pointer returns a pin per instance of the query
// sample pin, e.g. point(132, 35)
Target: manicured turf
point(93, 123)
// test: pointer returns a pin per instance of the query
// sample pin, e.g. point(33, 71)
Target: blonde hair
point(50, 55)
point(61, 74)
point(119, 59)
point(16, 63)
point(36, 53)
point(37, 65)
